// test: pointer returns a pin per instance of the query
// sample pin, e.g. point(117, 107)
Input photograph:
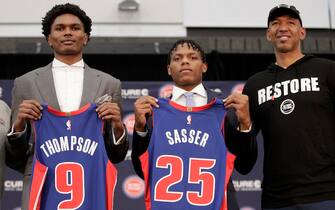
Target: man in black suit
point(186, 65)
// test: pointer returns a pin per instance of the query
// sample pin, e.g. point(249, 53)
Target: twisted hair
point(191, 44)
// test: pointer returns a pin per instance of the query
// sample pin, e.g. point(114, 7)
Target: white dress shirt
point(68, 81)
point(199, 97)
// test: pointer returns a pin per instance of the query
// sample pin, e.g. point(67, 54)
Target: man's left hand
point(111, 112)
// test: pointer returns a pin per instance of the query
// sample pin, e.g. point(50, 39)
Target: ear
point(49, 41)
point(204, 68)
point(268, 35)
point(302, 33)
point(85, 39)
point(169, 70)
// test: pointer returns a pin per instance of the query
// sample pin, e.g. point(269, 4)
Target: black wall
point(147, 67)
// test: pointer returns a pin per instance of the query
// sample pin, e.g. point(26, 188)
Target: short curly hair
point(62, 9)
point(191, 44)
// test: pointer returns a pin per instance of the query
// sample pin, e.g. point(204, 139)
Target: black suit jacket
point(243, 145)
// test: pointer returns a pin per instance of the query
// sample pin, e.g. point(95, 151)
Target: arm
point(115, 133)
point(241, 144)
point(17, 144)
point(116, 152)
point(140, 144)
point(17, 150)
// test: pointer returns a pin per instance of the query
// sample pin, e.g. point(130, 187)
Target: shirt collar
point(57, 63)
point(178, 92)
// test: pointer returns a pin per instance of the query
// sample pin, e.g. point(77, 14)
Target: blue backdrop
point(130, 188)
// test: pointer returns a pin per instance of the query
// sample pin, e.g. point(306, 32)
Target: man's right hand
point(28, 110)
point(143, 107)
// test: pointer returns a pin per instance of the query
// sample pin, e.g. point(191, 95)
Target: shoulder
point(319, 65)
point(213, 94)
point(320, 60)
point(313, 61)
point(4, 107)
point(102, 75)
point(259, 75)
point(32, 74)
point(257, 81)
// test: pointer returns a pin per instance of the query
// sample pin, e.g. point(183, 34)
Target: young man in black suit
point(186, 65)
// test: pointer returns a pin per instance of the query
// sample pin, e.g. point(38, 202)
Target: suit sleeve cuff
point(245, 130)
point(142, 133)
point(119, 141)
point(12, 133)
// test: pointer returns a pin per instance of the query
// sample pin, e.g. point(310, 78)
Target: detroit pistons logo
point(133, 187)
point(166, 90)
point(68, 125)
point(129, 121)
point(287, 106)
point(238, 88)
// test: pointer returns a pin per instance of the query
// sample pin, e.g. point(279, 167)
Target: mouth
point(185, 70)
point(68, 42)
point(283, 37)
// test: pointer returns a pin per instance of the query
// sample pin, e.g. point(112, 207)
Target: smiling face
point(285, 33)
point(67, 36)
point(186, 67)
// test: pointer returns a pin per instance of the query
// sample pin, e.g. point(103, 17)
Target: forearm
point(17, 151)
point(116, 150)
point(139, 146)
point(242, 144)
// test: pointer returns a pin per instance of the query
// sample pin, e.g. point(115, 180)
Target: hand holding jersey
point(143, 109)
point(28, 110)
point(109, 111)
point(240, 103)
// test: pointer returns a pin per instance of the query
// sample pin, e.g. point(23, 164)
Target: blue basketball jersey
point(187, 164)
point(71, 169)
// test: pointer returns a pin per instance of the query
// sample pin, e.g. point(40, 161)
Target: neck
point(69, 59)
point(286, 59)
point(187, 87)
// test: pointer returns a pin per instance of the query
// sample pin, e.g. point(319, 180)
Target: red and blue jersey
point(71, 168)
point(187, 164)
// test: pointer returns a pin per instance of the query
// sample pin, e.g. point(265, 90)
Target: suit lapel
point(46, 86)
point(211, 95)
point(92, 81)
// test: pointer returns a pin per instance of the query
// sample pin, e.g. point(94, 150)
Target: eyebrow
point(64, 24)
point(180, 54)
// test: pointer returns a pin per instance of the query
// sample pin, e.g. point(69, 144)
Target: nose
point(68, 31)
point(283, 27)
point(185, 60)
